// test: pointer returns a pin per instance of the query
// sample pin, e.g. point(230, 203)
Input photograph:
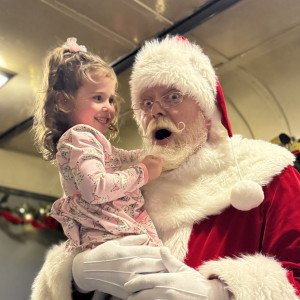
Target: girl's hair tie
point(72, 46)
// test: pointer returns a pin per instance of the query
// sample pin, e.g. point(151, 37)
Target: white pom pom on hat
point(176, 62)
point(245, 194)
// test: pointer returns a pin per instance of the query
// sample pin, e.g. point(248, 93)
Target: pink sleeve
point(145, 171)
point(128, 156)
point(87, 164)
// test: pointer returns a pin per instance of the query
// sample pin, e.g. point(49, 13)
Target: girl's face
point(94, 103)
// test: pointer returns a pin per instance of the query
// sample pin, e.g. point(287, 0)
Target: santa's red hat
point(176, 62)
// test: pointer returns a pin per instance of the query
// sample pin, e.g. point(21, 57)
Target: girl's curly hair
point(64, 74)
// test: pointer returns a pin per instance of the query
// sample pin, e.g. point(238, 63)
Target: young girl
point(78, 107)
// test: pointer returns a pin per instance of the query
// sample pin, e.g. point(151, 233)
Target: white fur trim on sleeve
point(252, 277)
point(54, 279)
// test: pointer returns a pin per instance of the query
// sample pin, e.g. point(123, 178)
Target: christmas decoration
point(291, 144)
point(37, 217)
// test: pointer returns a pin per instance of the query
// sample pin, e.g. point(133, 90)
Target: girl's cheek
point(113, 111)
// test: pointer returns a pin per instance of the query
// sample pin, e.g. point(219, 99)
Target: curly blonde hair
point(64, 74)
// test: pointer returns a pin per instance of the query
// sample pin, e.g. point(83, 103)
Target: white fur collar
point(201, 186)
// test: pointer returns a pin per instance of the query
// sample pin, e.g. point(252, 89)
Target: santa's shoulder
point(260, 159)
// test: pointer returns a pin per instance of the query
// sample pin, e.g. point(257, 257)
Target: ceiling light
point(4, 77)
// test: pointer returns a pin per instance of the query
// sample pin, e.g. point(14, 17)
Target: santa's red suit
point(255, 252)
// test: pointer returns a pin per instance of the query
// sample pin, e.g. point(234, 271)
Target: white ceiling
point(254, 46)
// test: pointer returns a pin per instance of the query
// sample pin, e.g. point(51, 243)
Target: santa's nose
point(157, 110)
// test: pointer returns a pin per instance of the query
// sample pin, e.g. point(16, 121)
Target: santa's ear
point(64, 103)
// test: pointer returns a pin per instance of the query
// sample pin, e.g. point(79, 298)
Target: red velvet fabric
point(223, 109)
point(272, 229)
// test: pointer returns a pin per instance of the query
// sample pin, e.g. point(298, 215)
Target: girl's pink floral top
point(102, 200)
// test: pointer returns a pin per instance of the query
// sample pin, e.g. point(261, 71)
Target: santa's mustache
point(163, 123)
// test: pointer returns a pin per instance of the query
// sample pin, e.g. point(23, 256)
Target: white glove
point(109, 266)
point(182, 282)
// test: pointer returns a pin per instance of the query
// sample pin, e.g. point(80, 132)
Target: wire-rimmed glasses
point(168, 100)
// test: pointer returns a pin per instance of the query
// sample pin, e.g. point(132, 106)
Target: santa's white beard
point(184, 142)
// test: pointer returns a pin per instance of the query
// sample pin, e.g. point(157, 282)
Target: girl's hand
point(154, 166)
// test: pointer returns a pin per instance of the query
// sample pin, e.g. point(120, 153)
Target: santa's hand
point(109, 266)
point(182, 282)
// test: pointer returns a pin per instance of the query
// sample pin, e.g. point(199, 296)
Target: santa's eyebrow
point(168, 90)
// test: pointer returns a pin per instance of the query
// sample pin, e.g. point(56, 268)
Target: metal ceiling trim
point(200, 16)
point(26, 194)
point(205, 13)
point(87, 22)
point(15, 130)
point(152, 11)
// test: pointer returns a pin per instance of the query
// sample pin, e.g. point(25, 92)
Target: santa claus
point(225, 207)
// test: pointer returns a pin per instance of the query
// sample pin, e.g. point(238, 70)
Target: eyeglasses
point(169, 100)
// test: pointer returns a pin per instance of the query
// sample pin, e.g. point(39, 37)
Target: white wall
point(22, 247)
point(28, 173)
